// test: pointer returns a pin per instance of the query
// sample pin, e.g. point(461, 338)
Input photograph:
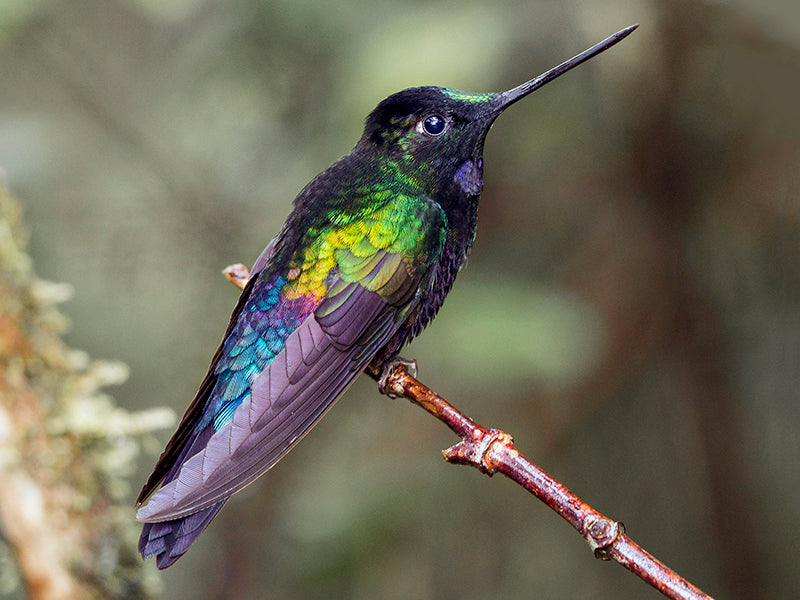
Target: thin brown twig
point(492, 451)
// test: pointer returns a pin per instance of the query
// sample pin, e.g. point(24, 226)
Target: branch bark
point(492, 451)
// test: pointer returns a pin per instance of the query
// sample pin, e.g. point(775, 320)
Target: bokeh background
point(630, 312)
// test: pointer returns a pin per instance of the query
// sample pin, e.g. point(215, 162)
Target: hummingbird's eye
point(434, 124)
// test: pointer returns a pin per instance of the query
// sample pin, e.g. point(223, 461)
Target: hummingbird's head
point(429, 132)
point(434, 136)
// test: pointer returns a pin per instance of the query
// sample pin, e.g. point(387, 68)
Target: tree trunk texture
point(65, 449)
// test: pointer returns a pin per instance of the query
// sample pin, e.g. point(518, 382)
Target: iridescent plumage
point(332, 288)
point(362, 264)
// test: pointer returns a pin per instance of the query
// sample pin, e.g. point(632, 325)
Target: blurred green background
point(630, 313)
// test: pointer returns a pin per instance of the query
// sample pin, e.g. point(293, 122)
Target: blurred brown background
point(630, 313)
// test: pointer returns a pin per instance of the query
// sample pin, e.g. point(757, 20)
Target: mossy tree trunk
point(65, 449)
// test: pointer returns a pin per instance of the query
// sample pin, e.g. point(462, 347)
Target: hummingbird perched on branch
point(361, 266)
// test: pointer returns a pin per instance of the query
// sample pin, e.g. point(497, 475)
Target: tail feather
point(168, 540)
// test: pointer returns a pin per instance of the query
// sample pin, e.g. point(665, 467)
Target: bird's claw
point(388, 370)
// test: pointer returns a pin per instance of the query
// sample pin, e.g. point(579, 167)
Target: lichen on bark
point(66, 449)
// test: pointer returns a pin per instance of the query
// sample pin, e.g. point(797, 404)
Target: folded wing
point(289, 355)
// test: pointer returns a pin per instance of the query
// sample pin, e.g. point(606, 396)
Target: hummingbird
point(362, 264)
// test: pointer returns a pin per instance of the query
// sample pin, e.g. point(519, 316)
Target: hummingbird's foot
point(237, 274)
point(389, 368)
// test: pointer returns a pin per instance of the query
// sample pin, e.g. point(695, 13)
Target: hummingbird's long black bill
point(505, 99)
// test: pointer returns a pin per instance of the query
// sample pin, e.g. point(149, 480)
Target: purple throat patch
point(470, 177)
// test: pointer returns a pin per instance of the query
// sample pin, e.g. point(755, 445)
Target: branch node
point(601, 534)
point(474, 450)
